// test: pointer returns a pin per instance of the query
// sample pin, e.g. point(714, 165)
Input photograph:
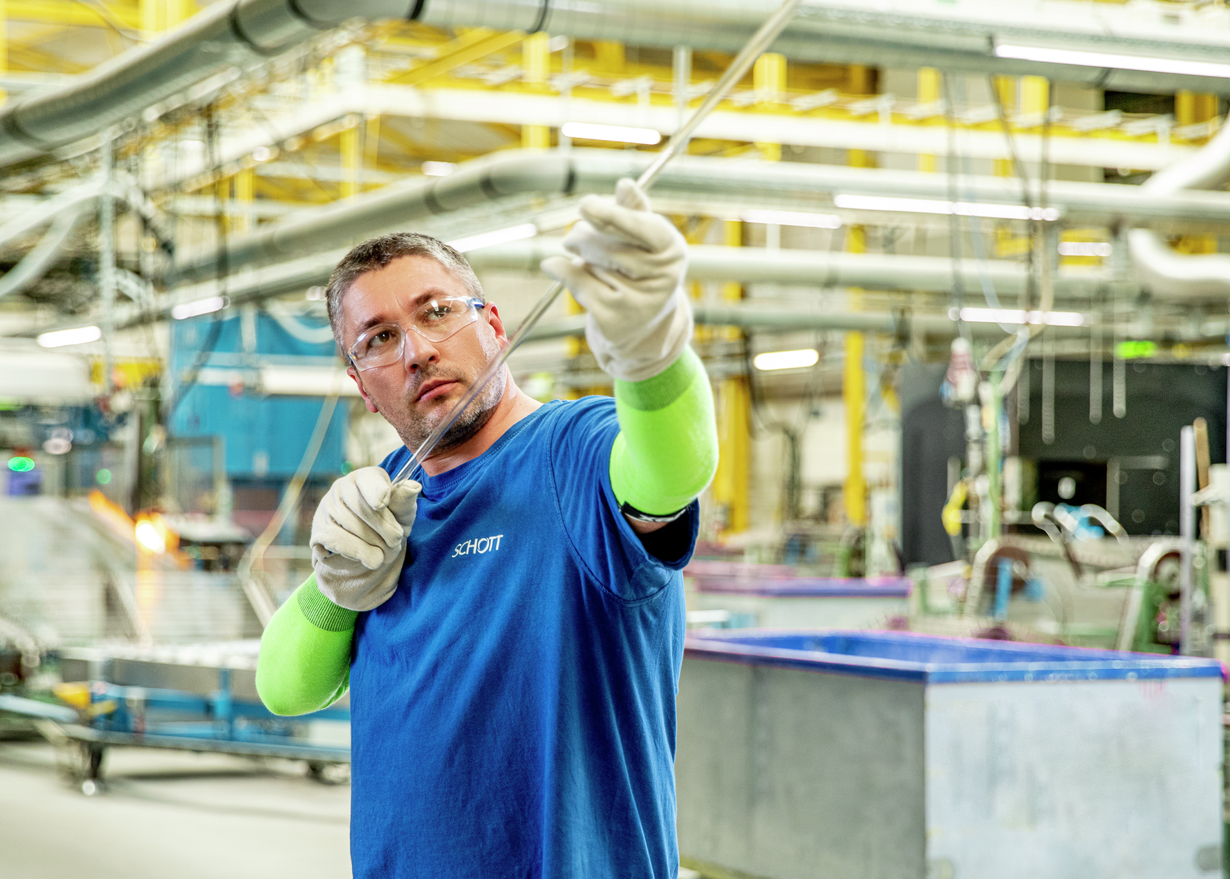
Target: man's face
point(416, 393)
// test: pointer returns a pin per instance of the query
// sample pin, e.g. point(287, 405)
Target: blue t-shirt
point(513, 703)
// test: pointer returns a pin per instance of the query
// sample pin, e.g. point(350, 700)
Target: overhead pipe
point(43, 255)
point(705, 263)
point(501, 107)
point(66, 212)
point(759, 318)
point(71, 201)
point(883, 33)
point(1163, 271)
point(798, 186)
point(817, 268)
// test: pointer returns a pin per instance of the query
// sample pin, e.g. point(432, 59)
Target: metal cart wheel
point(92, 763)
point(81, 764)
point(325, 772)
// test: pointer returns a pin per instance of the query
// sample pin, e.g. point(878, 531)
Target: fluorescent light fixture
point(617, 133)
point(1018, 316)
point(1112, 60)
point(74, 336)
point(438, 169)
point(309, 381)
point(1084, 248)
point(186, 310)
point(499, 236)
point(793, 218)
point(787, 359)
point(934, 206)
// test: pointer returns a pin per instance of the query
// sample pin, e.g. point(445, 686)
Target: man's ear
point(353, 373)
point(497, 324)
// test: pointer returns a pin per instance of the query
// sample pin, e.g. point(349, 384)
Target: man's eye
point(437, 311)
point(381, 339)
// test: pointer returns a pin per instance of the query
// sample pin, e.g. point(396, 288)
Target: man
point(510, 626)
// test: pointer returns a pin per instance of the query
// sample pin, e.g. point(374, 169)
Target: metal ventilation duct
point(798, 186)
point(956, 37)
point(1163, 271)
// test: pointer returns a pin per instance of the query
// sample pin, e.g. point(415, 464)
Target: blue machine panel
point(265, 436)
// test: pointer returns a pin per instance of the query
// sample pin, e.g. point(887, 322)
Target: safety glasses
point(435, 320)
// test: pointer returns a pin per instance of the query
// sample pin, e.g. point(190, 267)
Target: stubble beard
point(414, 429)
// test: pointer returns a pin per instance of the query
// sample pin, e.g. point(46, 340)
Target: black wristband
point(633, 513)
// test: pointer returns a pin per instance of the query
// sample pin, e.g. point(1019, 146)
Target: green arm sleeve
point(667, 449)
point(304, 662)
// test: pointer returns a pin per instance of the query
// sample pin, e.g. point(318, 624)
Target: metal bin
point(889, 754)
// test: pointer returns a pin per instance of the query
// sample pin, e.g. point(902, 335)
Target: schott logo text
point(479, 545)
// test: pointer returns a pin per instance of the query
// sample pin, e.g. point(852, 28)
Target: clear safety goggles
point(435, 320)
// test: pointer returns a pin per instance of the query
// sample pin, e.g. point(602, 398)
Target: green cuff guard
point(320, 611)
point(666, 451)
point(304, 661)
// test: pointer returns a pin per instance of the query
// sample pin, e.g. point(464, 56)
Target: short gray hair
point(376, 253)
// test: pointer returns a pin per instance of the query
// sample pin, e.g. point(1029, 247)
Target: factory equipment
point(804, 602)
point(198, 698)
point(876, 754)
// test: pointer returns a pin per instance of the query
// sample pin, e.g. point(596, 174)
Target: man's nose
point(417, 351)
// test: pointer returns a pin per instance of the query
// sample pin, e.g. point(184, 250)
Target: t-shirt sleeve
point(605, 544)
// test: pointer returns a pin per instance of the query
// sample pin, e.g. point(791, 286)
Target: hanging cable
point(954, 226)
point(213, 159)
point(258, 593)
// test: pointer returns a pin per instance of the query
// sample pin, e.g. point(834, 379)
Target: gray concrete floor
point(169, 815)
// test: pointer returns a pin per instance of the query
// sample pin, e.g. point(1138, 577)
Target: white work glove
point(628, 274)
point(359, 537)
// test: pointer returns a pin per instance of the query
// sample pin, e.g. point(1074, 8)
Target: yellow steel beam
point(1005, 90)
point(466, 49)
point(854, 383)
point(371, 143)
point(25, 58)
point(731, 483)
point(930, 91)
point(1191, 108)
point(860, 81)
point(610, 56)
point(536, 61)
point(4, 43)
point(352, 159)
point(245, 191)
point(854, 395)
point(158, 16)
point(769, 80)
point(75, 14)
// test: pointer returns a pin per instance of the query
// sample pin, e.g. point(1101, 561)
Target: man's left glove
point(628, 274)
point(359, 537)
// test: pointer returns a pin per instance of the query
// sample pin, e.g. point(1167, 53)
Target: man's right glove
point(359, 537)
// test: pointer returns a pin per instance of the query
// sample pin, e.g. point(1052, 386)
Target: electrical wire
point(215, 327)
point(1011, 363)
point(262, 602)
point(954, 225)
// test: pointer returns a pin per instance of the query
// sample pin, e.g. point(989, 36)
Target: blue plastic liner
point(933, 659)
